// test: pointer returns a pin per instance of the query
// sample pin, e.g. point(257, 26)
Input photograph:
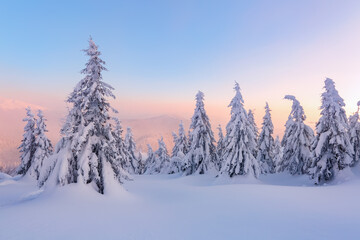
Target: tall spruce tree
point(297, 141)
point(332, 148)
point(354, 133)
point(239, 142)
point(43, 146)
point(132, 163)
point(266, 144)
point(175, 161)
point(28, 145)
point(86, 151)
point(201, 156)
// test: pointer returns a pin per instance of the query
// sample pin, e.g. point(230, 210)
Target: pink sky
point(12, 109)
point(266, 72)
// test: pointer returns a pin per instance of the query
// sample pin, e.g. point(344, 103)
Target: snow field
point(174, 207)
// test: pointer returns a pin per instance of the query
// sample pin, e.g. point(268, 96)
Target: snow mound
point(240, 179)
point(31, 195)
point(4, 176)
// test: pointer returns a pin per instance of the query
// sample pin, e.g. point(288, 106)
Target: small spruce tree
point(132, 163)
point(220, 145)
point(141, 161)
point(43, 146)
point(117, 145)
point(162, 157)
point(180, 143)
point(179, 150)
point(254, 129)
point(150, 162)
point(28, 145)
point(277, 153)
point(266, 144)
point(354, 133)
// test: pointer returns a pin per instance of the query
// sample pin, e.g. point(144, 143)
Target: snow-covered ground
point(194, 207)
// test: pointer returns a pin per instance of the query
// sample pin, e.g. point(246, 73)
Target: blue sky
point(164, 51)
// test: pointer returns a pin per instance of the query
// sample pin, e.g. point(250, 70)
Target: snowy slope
point(194, 207)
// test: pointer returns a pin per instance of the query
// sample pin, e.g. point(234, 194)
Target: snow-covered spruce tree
point(188, 139)
point(220, 144)
point(354, 133)
point(43, 146)
point(86, 151)
point(120, 144)
point(132, 163)
point(332, 148)
point(179, 150)
point(254, 128)
point(175, 137)
point(175, 165)
point(252, 123)
point(119, 148)
point(162, 157)
point(141, 161)
point(201, 156)
point(266, 144)
point(278, 154)
point(28, 145)
point(297, 141)
point(180, 143)
point(239, 142)
point(150, 162)
point(175, 161)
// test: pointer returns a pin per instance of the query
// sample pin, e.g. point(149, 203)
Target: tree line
point(92, 148)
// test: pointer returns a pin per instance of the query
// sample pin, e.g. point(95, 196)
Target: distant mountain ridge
point(149, 130)
point(9, 154)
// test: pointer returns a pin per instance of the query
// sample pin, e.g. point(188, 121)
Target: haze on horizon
point(160, 54)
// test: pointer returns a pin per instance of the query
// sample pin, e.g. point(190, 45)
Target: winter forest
point(179, 120)
point(94, 148)
point(96, 157)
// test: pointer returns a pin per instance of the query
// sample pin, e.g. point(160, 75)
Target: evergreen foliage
point(297, 141)
point(332, 148)
point(266, 144)
point(201, 156)
point(239, 142)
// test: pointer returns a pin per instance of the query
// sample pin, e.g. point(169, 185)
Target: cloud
point(13, 104)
